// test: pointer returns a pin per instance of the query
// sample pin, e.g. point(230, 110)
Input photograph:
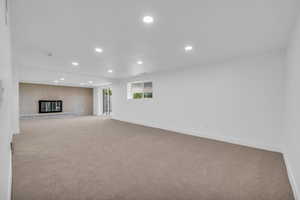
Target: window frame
point(130, 94)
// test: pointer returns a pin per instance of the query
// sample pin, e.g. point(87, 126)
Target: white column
point(97, 98)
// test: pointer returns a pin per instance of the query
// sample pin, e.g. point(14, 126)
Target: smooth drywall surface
point(291, 134)
point(15, 101)
point(238, 101)
point(40, 75)
point(76, 100)
point(5, 106)
point(97, 93)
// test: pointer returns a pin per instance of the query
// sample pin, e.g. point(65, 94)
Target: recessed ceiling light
point(188, 48)
point(148, 19)
point(110, 71)
point(90, 82)
point(75, 63)
point(56, 81)
point(62, 79)
point(139, 62)
point(98, 50)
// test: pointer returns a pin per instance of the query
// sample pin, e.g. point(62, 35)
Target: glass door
point(106, 95)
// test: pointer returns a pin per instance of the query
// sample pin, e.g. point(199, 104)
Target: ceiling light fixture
point(139, 62)
point(62, 79)
point(98, 50)
point(110, 71)
point(56, 81)
point(75, 63)
point(148, 19)
point(90, 82)
point(188, 48)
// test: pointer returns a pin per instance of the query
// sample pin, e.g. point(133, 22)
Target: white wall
point(238, 101)
point(97, 101)
point(291, 134)
point(5, 107)
point(15, 101)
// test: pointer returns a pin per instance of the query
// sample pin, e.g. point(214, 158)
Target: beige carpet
point(89, 158)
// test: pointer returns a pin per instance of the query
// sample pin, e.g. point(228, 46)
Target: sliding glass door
point(107, 106)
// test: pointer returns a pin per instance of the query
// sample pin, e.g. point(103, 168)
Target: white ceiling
point(70, 30)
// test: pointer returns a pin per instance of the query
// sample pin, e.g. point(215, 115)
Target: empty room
point(149, 100)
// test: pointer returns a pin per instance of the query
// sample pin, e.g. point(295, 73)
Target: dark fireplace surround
point(50, 106)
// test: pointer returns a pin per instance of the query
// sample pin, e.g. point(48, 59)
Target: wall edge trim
point(291, 176)
point(206, 135)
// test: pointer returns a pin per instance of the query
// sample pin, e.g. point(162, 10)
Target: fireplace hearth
point(50, 106)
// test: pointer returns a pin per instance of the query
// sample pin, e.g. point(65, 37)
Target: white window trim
point(129, 98)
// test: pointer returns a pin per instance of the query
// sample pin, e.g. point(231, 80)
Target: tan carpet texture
point(92, 158)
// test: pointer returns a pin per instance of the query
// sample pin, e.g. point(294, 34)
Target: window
point(139, 90)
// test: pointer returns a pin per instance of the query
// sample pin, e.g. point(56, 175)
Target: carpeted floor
point(91, 158)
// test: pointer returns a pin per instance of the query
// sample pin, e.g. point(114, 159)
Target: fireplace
point(50, 106)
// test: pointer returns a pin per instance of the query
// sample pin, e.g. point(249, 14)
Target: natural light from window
point(140, 90)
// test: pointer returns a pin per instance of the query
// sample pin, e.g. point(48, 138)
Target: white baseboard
point(103, 115)
point(206, 135)
point(233, 141)
point(291, 176)
point(47, 115)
